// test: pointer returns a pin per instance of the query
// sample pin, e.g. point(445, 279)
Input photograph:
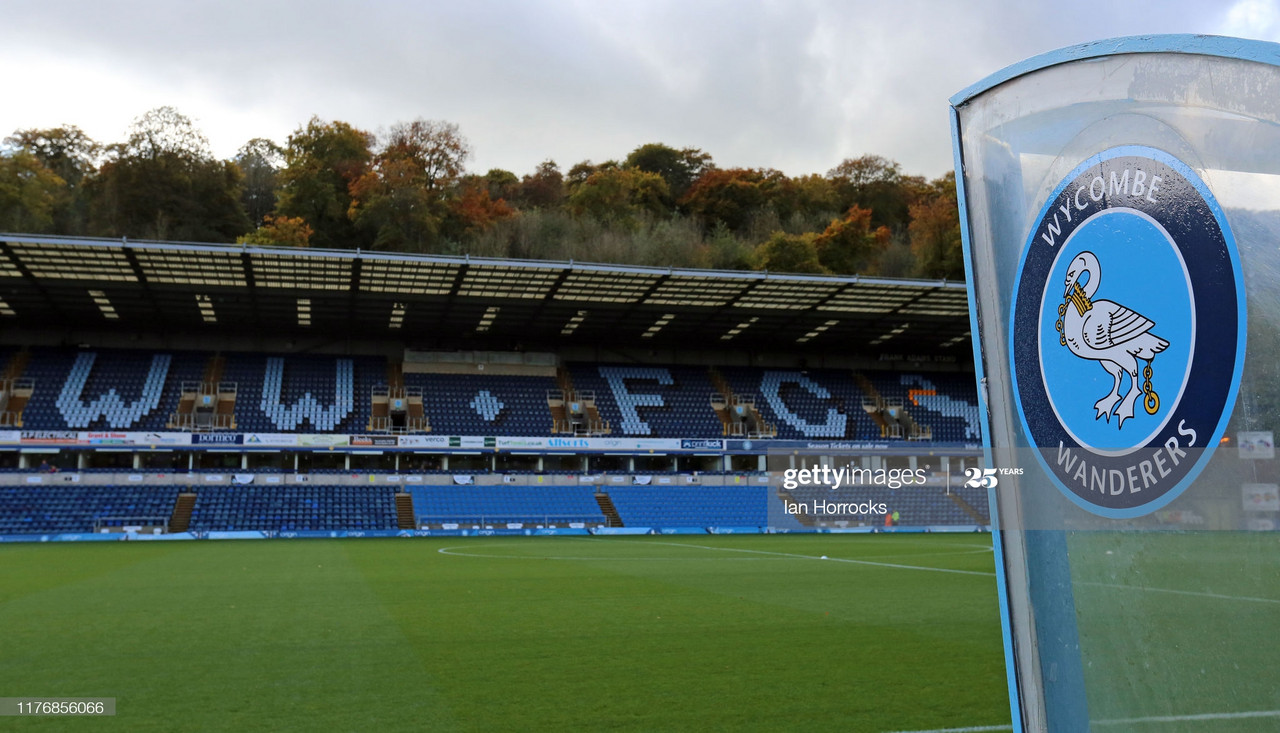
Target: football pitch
point(646, 633)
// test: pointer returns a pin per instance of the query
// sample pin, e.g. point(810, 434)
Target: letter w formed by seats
point(307, 408)
point(109, 405)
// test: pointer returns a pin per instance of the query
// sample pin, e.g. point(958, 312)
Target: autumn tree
point(474, 210)
point(403, 199)
point(29, 193)
point(849, 246)
point(71, 155)
point(730, 196)
point(280, 231)
point(321, 161)
point(164, 183)
point(878, 184)
point(542, 189)
point(935, 231)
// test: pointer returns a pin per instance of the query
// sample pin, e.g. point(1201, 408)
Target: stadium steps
point(721, 406)
point(609, 511)
point(720, 383)
point(17, 365)
point(404, 511)
point(559, 415)
point(564, 380)
point(752, 424)
point(560, 422)
point(224, 409)
point(395, 374)
point(563, 419)
point(213, 369)
point(873, 404)
point(968, 509)
point(15, 392)
point(180, 520)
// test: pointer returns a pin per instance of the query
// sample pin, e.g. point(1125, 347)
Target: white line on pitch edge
point(1203, 594)
point(1186, 718)
point(1246, 715)
point(970, 729)
point(831, 559)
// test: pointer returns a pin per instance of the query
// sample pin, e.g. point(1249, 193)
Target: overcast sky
point(796, 85)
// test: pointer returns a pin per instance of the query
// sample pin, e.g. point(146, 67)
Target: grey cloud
point(792, 85)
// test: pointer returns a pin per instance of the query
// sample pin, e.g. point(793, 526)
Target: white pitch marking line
point(1203, 594)
point(452, 552)
point(1184, 718)
point(971, 729)
point(1246, 715)
point(832, 559)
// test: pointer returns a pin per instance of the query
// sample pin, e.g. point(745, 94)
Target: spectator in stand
point(46, 468)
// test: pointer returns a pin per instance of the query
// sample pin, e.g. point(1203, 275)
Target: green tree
point(321, 161)
point(29, 193)
point(796, 253)
point(163, 183)
point(728, 252)
point(679, 168)
point(805, 203)
point(503, 185)
point(935, 231)
point(260, 161)
point(620, 196)
point(71, 155)
point(580, 172)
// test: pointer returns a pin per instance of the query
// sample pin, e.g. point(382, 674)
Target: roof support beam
point(161, 313)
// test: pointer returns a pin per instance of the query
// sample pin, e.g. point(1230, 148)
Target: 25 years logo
point(1127, 331)
point(986, 478)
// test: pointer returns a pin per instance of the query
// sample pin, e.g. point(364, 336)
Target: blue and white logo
point(1127, 331)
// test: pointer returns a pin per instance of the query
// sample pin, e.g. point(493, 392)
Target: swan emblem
point(1112, 335)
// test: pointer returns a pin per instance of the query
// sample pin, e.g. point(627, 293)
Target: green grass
point(654, 633)
point(1179, 624)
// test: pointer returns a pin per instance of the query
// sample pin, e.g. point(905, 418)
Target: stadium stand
point(384, 366)
point(301, 393)
point(483, 404)
point(41, 509)
point(651, 401)
point(138, 390)
point(704, 506)
point(500, 505)
point(106, 389)
point(288, 508)
point(806, 404)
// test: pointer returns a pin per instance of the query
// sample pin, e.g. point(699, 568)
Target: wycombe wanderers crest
point(1127, 331)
